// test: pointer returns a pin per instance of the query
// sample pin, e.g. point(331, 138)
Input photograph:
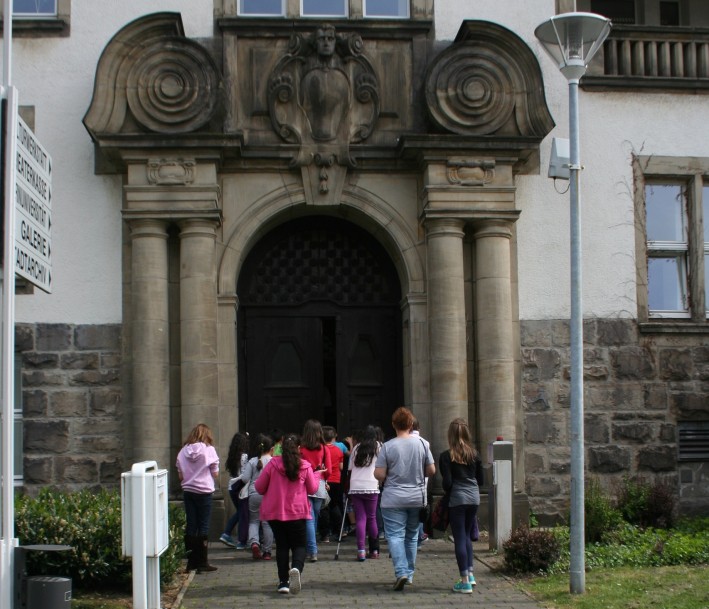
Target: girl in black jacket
point(462, 472)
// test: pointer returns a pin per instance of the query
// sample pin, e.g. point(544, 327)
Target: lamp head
point(572, 39)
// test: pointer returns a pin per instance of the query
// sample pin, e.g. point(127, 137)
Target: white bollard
point(501, 492)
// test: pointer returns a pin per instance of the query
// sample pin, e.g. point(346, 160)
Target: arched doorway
point(320, 329)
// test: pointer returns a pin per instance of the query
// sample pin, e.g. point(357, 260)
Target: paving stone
point(241, 581)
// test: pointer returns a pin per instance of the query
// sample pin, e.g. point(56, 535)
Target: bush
point(600, 515)
point(531, 550)
point(632, 546)
point(648, 547)
point(647, 504)
point(91, 524)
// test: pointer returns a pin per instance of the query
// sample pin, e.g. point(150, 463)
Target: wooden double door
point(320, 330)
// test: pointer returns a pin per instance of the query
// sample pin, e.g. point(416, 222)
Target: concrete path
point(346, 583)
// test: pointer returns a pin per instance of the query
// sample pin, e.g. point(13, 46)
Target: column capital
point(496, 227)
point(442, 227)
point(147, 227)
point(194, 227)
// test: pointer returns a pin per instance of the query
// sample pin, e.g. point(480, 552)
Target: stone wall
point(637, 387)
point(72, 405)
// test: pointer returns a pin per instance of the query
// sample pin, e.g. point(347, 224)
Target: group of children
point(334, 462)
point(345, 497)
point(281, 485)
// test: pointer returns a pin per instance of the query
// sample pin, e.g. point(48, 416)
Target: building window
point(618, 11)
point(34, 8)
point(673, 223)
point(669, 13)
point(262, 8)
point(40, 18)
point(323, 8)
point(386, 8)
point(667, 250)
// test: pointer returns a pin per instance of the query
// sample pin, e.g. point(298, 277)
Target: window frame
point(240, 13)
point(416, 11)
point(346, 6)
point(366, 16)
point(692, 173)
point(43, 25)
point(36, 15)
point(672, 249)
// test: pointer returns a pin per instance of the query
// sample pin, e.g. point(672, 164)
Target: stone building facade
point(330, 218)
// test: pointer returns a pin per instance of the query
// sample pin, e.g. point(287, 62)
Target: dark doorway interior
point(319, 322)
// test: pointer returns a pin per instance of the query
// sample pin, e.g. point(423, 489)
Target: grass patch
point(680, 587)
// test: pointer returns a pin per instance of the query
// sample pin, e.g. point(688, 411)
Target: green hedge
point(91, 524)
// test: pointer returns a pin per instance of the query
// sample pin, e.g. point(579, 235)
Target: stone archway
point(368, 214)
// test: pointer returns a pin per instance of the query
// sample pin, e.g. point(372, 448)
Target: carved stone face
point(325, 42)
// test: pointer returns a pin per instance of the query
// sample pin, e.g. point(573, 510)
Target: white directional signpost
point(27, 252)
point(33, 204)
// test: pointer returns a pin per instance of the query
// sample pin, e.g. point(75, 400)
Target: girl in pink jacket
point(285, 484)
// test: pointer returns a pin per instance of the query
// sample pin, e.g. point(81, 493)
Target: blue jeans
point(198, 509)
point(311, 526)
point(401, 526)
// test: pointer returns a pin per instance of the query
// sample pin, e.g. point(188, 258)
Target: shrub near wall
point(91, 524)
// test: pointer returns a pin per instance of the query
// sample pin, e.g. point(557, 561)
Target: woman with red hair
point(402, 466)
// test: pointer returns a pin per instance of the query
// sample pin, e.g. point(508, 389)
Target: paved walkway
point(346, 583)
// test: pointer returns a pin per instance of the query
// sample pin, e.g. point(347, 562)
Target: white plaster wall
point(56, 76)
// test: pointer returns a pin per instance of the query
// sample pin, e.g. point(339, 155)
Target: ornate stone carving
point(172, 86)
point(487, 83)
point(169, 83)
point(471, 173)
point(323, 95)
point(171, 171)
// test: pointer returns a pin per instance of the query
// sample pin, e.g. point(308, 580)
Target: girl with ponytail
point(285, 483)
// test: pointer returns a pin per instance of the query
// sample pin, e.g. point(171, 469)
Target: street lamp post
point(572, 39)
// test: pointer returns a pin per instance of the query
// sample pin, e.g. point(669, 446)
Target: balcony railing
point(659, 58)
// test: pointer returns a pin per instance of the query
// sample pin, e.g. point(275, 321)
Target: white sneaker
point(294, 583)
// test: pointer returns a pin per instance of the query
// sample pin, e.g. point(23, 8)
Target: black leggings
point(461, 519)
point(290, 537)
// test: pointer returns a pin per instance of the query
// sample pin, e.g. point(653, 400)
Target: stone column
point(198, 325)
point(150, 339)
point(227, 339)
point(494, 332)
point(446, 322)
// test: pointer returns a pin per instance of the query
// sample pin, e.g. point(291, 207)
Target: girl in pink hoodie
point(198, 467)
point(285, 484)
